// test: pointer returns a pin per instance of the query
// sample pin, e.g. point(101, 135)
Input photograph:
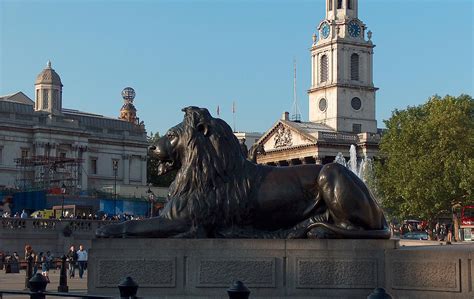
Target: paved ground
point(16, 282)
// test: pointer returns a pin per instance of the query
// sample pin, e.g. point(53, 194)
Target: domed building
point(45, 146)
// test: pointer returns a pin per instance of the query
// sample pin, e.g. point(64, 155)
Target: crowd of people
point(44, 262)
point(100, 216)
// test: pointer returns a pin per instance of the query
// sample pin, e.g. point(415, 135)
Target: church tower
point(342, 93)
point(48, 91)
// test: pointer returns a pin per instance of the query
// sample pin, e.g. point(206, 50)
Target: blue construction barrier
point(119, 206)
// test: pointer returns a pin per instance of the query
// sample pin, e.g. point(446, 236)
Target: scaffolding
point(48, 173)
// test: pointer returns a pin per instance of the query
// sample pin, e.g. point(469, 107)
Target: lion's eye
point(170, 135)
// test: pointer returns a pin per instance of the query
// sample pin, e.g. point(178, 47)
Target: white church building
point(341, 96)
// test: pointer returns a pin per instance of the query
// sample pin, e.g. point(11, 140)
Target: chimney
point(285, 116)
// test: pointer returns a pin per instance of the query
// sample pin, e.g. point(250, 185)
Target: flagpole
point(233, 114)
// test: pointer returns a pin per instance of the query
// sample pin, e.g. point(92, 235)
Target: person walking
point(72, 259)
point(81, 260)
point(45, 267)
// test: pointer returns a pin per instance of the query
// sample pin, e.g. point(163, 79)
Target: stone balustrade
point(55, 235)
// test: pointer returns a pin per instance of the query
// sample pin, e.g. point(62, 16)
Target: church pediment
point(282, 136)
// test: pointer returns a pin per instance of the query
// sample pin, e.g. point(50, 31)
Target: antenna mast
point(296, 115)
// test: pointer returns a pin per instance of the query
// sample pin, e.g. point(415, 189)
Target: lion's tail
point(341, 233)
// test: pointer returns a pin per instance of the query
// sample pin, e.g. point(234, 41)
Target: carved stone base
point(205, 268)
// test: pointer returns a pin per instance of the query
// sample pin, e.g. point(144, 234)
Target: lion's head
point(212, 170)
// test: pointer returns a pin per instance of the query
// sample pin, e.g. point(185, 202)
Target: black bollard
point(63, 276)
point(238, 291)
point(29, 271)
point(38, 286)
point(128, 288)
point(379, 293)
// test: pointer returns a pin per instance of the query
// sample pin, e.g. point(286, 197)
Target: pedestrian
point(38, 262)
point(81, 260)
point(29, 254)
point(24, 215)
point(49, 260)
point(72, 259)
point(44, 267)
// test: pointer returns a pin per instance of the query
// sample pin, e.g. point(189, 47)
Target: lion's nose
point(151, 148)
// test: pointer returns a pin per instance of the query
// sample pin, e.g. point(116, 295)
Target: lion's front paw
point(110, 231)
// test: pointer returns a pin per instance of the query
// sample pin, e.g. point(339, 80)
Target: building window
point(324, 68)
point(45, 98)
point(323, 104)
point(339, 4)
point(1, 155)
point(356, 103)
point(24, 153)
point(356, 128)
point(55, 99)
point(354, 66)
point(93, 168)
point(330, 4)
point(349, 4)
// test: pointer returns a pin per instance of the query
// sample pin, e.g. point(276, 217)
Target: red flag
point(218, 110)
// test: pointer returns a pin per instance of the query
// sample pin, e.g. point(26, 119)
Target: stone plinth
point(205, 268)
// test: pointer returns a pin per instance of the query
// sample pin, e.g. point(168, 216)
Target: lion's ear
point(203, 127)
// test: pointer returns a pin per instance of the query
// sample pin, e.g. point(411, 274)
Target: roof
point(48, 76)
point(308, 127)
point(18, 97)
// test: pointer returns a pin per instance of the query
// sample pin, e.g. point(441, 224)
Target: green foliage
point(152, 167)
point(427, 158)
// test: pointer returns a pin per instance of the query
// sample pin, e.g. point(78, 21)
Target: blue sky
point(208, 53)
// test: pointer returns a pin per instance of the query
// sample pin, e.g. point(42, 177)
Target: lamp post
point(151, 198)
point(63, 191)
point(115, 167)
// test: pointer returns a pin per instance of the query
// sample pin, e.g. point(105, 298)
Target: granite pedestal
point(205, 268)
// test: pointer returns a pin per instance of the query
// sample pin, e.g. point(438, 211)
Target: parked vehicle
point(417, 235)
point(45, 214)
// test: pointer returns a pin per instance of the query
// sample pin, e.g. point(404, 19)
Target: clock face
point(354, 29)
point(325, 30)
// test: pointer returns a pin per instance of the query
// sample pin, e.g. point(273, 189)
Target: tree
point(152, 166)
point(427, 158)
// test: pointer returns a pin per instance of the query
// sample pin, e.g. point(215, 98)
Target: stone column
point(85, 168)
point(39, 148)
point(126, 169)
point(144, 178)
point(53, 150)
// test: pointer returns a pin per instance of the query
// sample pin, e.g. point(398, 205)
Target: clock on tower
point(342, 92)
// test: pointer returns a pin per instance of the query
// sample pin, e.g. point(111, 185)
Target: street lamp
point(151, 198)
point(115, 167)
point(63, 191)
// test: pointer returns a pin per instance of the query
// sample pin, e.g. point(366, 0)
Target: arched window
point(339, 4)
point(324, 68)
point(45, 98)
point(354, 66)
point(330, 4)
point(349, 4)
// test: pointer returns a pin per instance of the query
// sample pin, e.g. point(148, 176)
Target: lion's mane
point(215, 179)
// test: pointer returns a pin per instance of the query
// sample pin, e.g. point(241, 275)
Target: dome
point(48, 76)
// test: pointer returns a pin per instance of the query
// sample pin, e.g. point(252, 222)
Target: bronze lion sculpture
point(218, 193)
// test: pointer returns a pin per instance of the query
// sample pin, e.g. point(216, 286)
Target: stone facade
point(293, 143)
point(342, 93)
point(45, 133)
point(341, 96)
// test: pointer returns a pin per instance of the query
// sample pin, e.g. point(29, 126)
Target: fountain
point(363, 170)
